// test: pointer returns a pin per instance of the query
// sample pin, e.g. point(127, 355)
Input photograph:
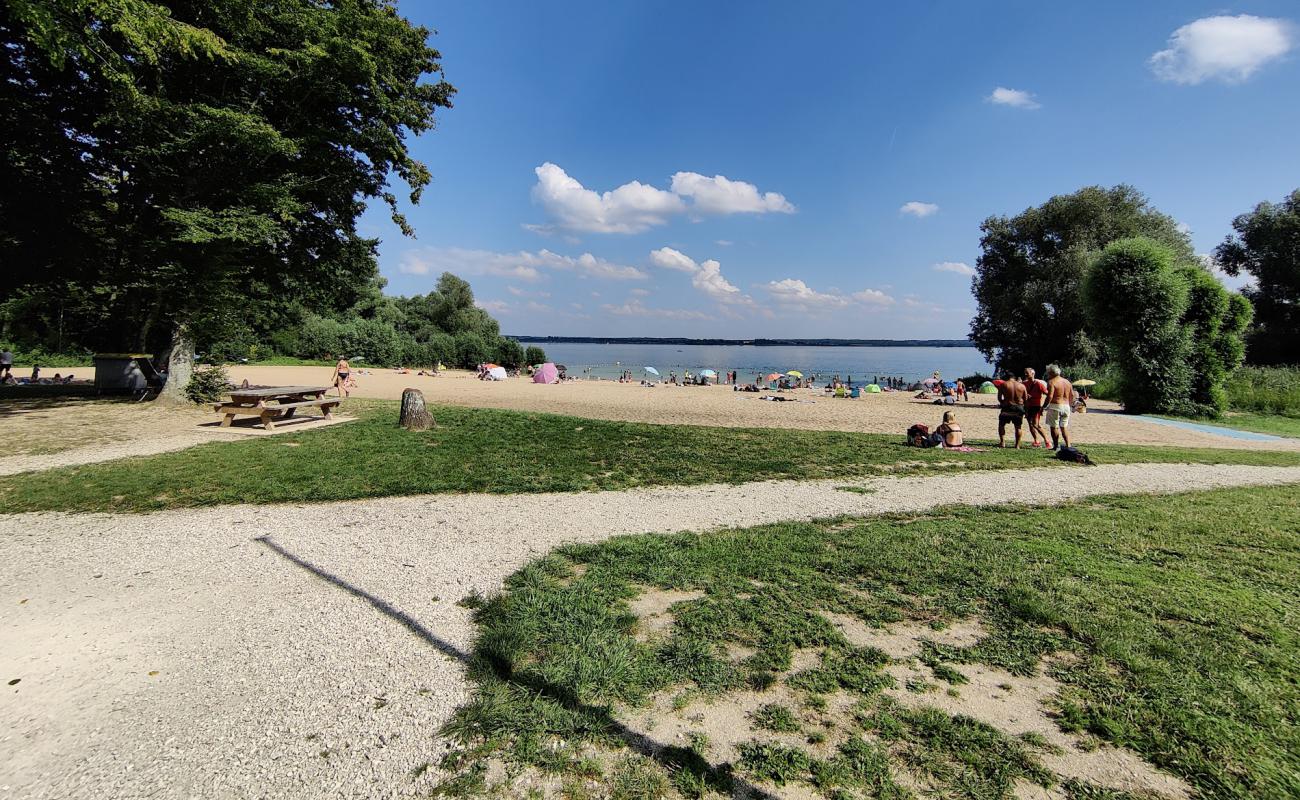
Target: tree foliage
point(1173, 331)
point(1029, 277)
point(180, 165)
point(1266, 246)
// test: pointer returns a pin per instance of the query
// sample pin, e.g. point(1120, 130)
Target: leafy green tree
point(471, 349)
point(197, 157)
point(1174, 332)
point(1266, 246)
point(1137, 295)
point(534, 355)
point(1028, 283)
point(510, 353)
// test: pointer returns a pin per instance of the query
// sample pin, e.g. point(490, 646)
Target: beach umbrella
point(546, 373)
point(930, 381)
point(708, 373)
point(794, 373)
point(949, 385)
point(652, 370)
point(872, 388)
point(775, 376)
point(1084, 382)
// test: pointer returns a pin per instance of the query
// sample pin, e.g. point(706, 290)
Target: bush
point(1265, 390)
point(510, 353)
point(207, 384)
point(38, 355)
point(471, 350)
point(1137, 297)
point(534, 355)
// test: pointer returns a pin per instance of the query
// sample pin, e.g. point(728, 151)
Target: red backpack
point(919, 435)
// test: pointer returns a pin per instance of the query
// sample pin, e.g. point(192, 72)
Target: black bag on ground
point(1074, 455)
point(919, 435)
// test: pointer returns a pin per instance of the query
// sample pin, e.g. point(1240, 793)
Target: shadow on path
point(671, 757)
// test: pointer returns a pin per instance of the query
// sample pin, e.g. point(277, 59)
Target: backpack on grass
point(919, 435)
point(1074, 456)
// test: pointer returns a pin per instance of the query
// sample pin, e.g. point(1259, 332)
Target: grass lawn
point(489, 450)
point(1177, 618)
point(1275, 424)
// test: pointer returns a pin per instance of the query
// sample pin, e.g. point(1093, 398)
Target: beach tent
point(872, 388)
point(987, 388)
point(546, 373)
point(497, 373)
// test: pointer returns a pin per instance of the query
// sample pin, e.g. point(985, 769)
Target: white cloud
point(639, 292)
point(916, 208)
point(634, 308)
point(1230, 49)
point(959, 267)
point(635, 207)
point(794, 293)
point(723, 242)
point(524, 266)
point(517, 292)
point(706, 276)
point(1016, 98)
point(721, 195)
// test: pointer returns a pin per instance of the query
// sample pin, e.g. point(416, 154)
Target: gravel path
point(313, 651)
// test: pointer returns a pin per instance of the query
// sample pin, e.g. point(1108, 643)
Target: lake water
point(863, 363)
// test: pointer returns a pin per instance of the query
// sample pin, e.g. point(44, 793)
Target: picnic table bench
point(275, 402)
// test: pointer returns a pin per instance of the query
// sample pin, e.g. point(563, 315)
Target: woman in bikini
point(948, 434)
point(342, 374)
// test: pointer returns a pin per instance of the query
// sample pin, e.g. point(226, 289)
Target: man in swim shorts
point(1035, 395)
point(1011, 398)
point(1060, 394)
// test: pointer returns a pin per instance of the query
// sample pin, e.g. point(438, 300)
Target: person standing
point(1035, 398)
point(1011, 401)
point(342, 374)
point(1060, 395)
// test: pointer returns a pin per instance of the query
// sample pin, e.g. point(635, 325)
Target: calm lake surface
point(863, 363)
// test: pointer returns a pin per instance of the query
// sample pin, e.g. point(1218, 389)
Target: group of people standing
point(1031, 400)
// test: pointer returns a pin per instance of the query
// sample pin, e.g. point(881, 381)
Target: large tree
point(1267, 247)
point(177, 164)
point(1029, 277)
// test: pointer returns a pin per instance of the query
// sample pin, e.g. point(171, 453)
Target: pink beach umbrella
point(546, 373)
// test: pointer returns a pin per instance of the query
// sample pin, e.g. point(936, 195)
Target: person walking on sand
point(1011, 401)
point(1060, 393)
point(1035, 399)
point(342, 374)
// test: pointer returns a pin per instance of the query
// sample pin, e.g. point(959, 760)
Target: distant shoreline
point(747, 342)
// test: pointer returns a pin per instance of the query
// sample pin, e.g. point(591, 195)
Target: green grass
point(1265, 390)
point(1275, 424)
point(489, 450)
point(1183, 612)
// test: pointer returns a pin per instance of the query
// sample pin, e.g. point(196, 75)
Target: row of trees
point(172, 169)
point(1099, 277)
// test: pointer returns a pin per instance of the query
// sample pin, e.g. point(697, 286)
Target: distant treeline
point(749, 342)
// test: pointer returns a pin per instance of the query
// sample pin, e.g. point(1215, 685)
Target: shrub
point(471, 350)
point(207, 384)
point(534, 355)
point(1265, 390)
point(510, 353)
point(1137, 297)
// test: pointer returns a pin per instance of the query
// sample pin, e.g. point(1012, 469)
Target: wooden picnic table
point(275, 402)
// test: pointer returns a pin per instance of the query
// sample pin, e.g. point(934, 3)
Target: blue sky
point(817, 170)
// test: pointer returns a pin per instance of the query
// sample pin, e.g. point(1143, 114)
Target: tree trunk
point(180, 365)
point(414, 416)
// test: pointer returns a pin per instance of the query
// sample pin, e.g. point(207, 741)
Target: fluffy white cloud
point(1016, 98)
point(635, 207)
point(721, 195)
point(723, 242)
point(631, 208)
point(794, 293)
point(634, 308)
point(639, 292)
point(706, 276)
point(1230, 49)
point(524, 266)
point(959, 267)
point(916, 208)
point(493, 307)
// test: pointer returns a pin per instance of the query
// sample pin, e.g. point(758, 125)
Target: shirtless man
point(1011, 398)
point(1036, 390)
point(1060, 394)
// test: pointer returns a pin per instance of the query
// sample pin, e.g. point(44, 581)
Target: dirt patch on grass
point(652, 609)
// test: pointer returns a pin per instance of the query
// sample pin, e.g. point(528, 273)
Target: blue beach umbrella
point(708, 373)
point(652, 370)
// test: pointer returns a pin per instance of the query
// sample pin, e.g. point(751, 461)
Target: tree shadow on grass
point(672, 758)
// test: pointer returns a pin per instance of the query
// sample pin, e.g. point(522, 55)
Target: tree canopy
point(1028, 283)
point(1266, 246)
point(178, 166)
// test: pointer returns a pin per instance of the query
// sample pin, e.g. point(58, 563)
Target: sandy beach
point(890, 412)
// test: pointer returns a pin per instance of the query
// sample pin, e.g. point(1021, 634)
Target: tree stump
point(414, 416)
